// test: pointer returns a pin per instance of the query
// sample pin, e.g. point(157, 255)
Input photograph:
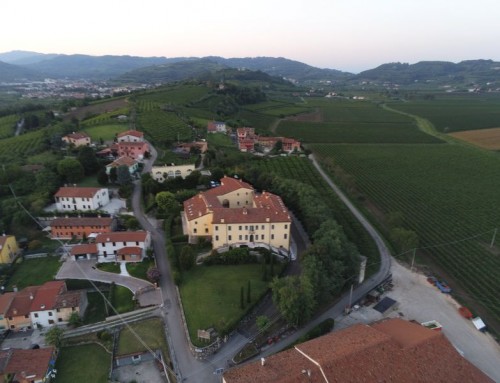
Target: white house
point(122, 246)
point(216, 127)
point(161, 173)
point(81, 198)
point(130, 136)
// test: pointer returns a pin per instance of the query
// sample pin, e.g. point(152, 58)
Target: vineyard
point(163, 126)
point(25, 144)
point(7, 125)
point(355, 132)
point(301, 169)
point(178, 95)
point(447, 194)
point(277, 108)
point(449, 114)
point(105, 118)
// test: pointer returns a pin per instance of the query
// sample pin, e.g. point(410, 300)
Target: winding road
point(191, 369)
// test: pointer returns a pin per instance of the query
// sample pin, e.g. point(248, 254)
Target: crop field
point(448, 195)
point(277, 108)
point(175, 94)
point(484, 138)
point(27, 143)
point(258, 120)
point(97, 108)
point(105, 132)
point(163, 126)
point(7, 125)
point(106, 118)
point(301, 169)
point(449, 114)
point(355, 132)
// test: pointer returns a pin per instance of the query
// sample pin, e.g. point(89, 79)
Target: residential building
point(45, 305)
point(27, 366)
point(123, 246)
point(393, 350)
point(288, 144)
point(216, 127)
point(8, 248)
point(80, 227)
point(130, 136)
point(130, 163)
point(187, 147)
point(234, 214)
point(75, 198)
point(77, 139)
point(135, 150)
point(86, 251)
point(5, 301)
point(245, 133)
point(162, 173)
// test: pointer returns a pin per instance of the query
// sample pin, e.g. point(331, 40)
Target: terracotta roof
point(77, 135)
point(122, 236)
point(249, 215)
point(82, 221)
point(124, 160)
point(5, 301)
point(134, 133)
point(84, 249)
point(69, 299)
point(21, 304)
point(45, 296)
point(124, 144)
point(129, 250)
point(3, 239)
point(32, 364)
point(77, 192)
point(390, 351)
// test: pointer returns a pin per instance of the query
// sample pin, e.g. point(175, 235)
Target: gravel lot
point(420, 301)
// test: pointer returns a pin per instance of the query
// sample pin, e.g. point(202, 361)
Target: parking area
point(416, 299)
point(24, 339)
point(144, 372)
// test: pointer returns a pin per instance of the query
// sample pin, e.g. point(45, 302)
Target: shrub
point(237, 256)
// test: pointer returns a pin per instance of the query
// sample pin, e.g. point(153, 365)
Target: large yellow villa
point(233, 214)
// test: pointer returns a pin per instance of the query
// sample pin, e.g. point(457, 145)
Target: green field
point(163, 126)
point(211, 295)
point(7, 125)
point(447, 194)
point(138, 336)
point(456, 113)
point(33, 272)
point(82, 364)
point(121, 300)
point(105, 132)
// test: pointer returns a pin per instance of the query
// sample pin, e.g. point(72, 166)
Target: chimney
point(245, 211)
point(31, 296)
point(14, 288)
point(263, 361)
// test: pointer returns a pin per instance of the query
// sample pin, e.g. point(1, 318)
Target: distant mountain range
point(30, 66)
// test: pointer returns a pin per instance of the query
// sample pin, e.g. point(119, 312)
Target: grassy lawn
point(106, 132)
point(211, 295)
point(87, 363)
point(150, 331)
point(122, 300)
point(140, 269)
point(35, 271)
point(96, 310)
point(90, 181)
point(109, 267)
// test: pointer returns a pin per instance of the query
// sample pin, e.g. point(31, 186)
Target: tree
point(153, 274)
point(112, 174)
point(404, 239)
point(86, 156)
point(187, 258)
point(262, 321)
point(70, 169)
point(123, 176)
point(102, 177)
point(47, 181)
point(166, 202)
point(53, 336)
point(74, 319)
point(294, 298)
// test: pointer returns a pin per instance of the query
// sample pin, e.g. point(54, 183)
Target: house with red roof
point(393, 350)
point(5, 301)
point(130, 163)
point(234, 214)
point(216, 127)
point(130, 136)
point(27, 366)
point(80, 227)
point(135, 150)
point(74, 198)
point(77, 139)
point(122, 246)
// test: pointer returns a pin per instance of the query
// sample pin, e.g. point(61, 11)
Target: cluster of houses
point(28, 366)
point(40, 306)
point(248, 141)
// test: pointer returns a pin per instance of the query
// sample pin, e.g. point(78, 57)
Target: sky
point(339, 34)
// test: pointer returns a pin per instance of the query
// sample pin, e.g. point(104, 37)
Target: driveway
point(85, 269)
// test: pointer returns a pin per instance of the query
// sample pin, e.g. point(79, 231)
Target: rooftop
point(82, 221)
point(122, 236)
point(134, 133)
point(31, 364)
point(77, 192)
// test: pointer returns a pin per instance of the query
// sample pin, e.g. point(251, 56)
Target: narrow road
point(184, 362)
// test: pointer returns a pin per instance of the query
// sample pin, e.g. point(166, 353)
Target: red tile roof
point(21, 304)
point(77, 192)
point(125, 160)
point(77, 135)
point(82, 221)
point(46, 295)
point(134, 133)
point(122, 236)
point(84, 249)
point(129, 250)
point(69, 299)
point(5, 301)
point(390, 351)
point(29, 365)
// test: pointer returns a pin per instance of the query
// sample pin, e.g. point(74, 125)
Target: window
point(286, 236)
point(229, 238)
point(216, 228)
point(246, 237)
point(286, 226)
point(206, 230)
point(262, 237)
point(50, 313)
point(272, 236)
point(229, 228)
point(262, 227)
point(216, 237)
point(240, 227)
point(58, 310)
point(59, 319)
point(36, 315)
point(26, 316)
point(51, 321)
point(194, 230)
point(251, 227)
point(272, 227)
point(73, 309)
point(246, 227)
point(240, 237)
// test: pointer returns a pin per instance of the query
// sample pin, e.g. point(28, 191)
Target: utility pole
point(413, 259)
point(350, 297)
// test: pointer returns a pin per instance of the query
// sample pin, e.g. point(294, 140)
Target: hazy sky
point(340, 34)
